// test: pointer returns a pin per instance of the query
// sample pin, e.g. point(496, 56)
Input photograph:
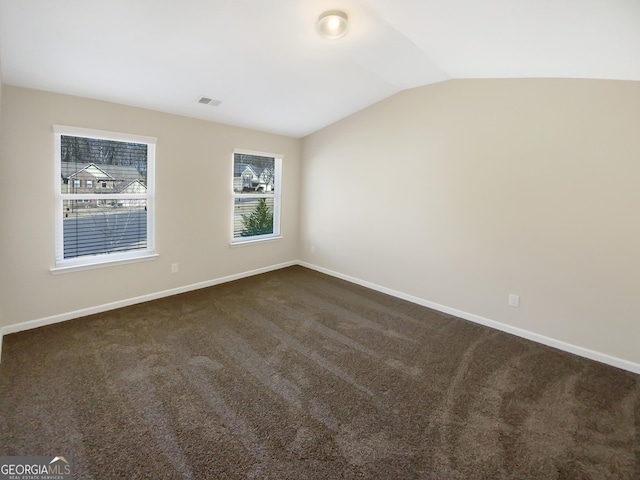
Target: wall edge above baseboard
point(518, 332)
point(63, 317)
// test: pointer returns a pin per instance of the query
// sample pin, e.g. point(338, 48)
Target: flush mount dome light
point(333, 24)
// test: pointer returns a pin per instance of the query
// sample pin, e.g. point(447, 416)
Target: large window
point(256, 196)
point(105, 193)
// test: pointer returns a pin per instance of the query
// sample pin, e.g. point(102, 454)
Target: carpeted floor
point(297, 375)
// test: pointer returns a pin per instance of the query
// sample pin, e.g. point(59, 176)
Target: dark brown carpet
point(298, 375)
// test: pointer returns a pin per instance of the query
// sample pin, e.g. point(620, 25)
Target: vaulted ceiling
point(266, 63)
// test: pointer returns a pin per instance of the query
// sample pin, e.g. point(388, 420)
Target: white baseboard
point(519, 332)
point(560, 345)
point(41, 322)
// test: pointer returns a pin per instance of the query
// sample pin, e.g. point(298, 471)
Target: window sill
point(257, 240)
point(101, 264)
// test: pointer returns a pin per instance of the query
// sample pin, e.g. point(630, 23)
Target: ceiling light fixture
point(333, 24)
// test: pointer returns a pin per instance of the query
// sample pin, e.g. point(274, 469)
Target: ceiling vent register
point(209, 101)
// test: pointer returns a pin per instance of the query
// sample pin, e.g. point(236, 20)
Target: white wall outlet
point(313, 249)
point(514, 300)
point(174, 268)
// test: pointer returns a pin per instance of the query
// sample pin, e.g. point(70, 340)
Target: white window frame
point(276, 196)
point(63, 265)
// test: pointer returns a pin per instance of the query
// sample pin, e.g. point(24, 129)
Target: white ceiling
point(265, 61)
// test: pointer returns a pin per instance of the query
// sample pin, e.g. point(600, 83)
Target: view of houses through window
point(256, 189)
point(104, 189)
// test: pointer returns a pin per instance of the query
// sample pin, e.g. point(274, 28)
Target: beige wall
point(462, 192)
point(193, 206)
point(2, 222)
point(457, 193)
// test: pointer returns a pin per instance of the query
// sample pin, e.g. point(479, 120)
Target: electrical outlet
point(313, 249)
point(514, 300)
point(174, 268)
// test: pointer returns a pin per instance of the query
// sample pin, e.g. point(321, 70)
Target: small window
point(256, 196)
point(108, 224)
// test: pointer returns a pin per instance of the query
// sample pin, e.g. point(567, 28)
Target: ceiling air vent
point(209, 101)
